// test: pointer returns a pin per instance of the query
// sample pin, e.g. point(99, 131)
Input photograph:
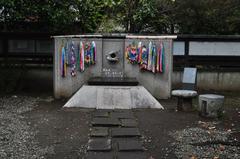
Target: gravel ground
point(211, 138)
point(205, 141)
point(169, 134)
point(17, 138)
point(36, 126)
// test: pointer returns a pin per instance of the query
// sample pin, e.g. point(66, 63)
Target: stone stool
point(210, 105)
point(184, 99)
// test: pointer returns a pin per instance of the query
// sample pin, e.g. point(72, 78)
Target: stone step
point(116, 81)
point(101, 113)
point(130, 145)
point(125, 132)
point(99, 144)
point(99, 132)
point(105, 122)
point(128, 123)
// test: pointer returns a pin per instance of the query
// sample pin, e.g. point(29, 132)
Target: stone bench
point(210, 105)
point(184, 99)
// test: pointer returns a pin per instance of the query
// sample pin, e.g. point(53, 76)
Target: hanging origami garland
point(81, 52)
point(78, 55)
point(93, 53)
point(149, 64)
point(90, 53)
point(154, 58)
point(77, 59)
point(161, 61)
point(131, 53)
point(144, 58)
point(63, 62)
point(87, 54)
point(151, 58)
point(139, 52)
point(73, 60)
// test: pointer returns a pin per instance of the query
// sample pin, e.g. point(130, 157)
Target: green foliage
point(135, 16)
point(110, 25)
point(58, 15)
point(207, 16)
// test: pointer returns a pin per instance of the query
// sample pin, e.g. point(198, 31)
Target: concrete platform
point(113, 97)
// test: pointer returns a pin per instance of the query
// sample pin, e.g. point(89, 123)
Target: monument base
point(113, 97)
point(116, 81)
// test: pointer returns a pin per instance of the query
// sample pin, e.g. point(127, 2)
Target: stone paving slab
point(101, 113)
point(122, 115)
point(99, 144)
point(100, 155)
point(131, 155)
point(125, 132)
point(99, 132)
point(114, 135)
point(105, 122)
point(130, 145)
point(128, 123)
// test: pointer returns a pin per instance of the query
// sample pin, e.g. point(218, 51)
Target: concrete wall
point(65, 87)
point(217, 81)
point(159, 85)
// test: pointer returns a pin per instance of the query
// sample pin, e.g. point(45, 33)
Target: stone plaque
point(189, 75)
point(113, 57)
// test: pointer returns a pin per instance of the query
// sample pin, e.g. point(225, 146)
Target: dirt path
point(66, 131)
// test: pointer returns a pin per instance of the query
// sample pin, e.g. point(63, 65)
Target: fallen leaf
point(211, 128)
point(222, 147)
point(193, 157)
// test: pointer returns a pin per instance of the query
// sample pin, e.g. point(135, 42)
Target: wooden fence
point(211, 53)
